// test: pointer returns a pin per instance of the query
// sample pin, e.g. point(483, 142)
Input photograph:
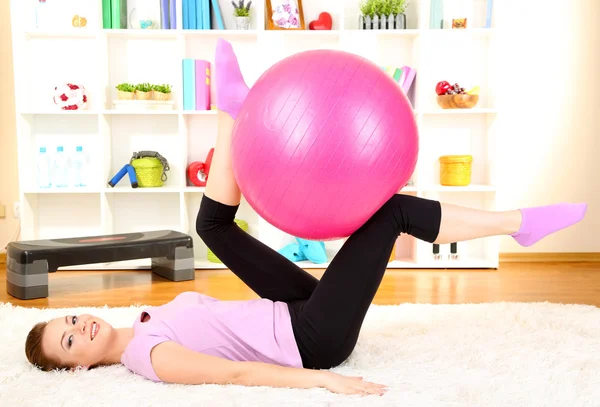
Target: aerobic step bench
point(29, 262)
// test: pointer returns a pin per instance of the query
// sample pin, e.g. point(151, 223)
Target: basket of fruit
point(455, 96)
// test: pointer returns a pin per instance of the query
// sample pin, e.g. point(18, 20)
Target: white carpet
point(504, 354)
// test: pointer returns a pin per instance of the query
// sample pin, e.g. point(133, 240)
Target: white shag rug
point(500, 354)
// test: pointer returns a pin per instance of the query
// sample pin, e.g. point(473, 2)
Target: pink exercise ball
point(322, 141)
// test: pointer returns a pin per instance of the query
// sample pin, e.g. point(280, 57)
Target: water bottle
point(79, 168)
point(60, 173)
point(43, 167)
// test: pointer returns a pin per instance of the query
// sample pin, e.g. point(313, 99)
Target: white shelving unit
point(100, 59)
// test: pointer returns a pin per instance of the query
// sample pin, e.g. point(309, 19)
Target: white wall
point(8, 142)
point(550, 113)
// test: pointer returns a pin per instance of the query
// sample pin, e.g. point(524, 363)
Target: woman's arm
point(174, 363)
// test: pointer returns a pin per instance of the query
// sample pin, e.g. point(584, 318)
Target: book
point(189, 84)
point(106, 14)
point(199, 14)
point(218, 16)
point(202, 84)
point(119, 14)
point(409, 79)
point(173, 14)
point(164, 14)
point(193, 14)
point(206, 15)
point(488, 14)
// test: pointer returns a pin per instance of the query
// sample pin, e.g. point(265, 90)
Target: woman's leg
point(266, 272)
point(328, 324)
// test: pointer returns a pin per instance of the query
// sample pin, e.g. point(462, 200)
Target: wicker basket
point(148, 171)
point(455, 170)
point(212, 257)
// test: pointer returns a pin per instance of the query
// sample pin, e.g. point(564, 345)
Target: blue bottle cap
point(59, 149)
point(42, 149)
point(79, 148)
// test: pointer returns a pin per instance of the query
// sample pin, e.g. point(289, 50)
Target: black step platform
point(29, 262)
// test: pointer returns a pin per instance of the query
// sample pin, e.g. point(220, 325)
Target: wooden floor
point(553, 282)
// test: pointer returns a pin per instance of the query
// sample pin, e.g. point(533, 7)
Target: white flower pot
point(242, 23)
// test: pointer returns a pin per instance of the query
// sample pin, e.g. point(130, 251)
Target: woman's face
point(83, 340)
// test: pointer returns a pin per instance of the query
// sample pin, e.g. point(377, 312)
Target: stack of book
point(196, 84)
point(139, 14)
point(197, 14)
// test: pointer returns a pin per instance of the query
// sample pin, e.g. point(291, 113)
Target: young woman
point(300, 326)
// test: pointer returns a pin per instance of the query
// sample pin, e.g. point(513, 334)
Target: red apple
point(442, 87)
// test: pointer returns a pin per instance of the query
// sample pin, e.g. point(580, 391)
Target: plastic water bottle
point(79, 168)
point(60, 173)
point(43, 173)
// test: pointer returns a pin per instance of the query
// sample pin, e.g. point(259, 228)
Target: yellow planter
point(455, 170)
point(125, 95)
point(143, 95)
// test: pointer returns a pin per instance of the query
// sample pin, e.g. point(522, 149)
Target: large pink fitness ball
point(322, 141)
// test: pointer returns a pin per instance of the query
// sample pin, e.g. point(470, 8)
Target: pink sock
point(541, 221)
point(231, 88)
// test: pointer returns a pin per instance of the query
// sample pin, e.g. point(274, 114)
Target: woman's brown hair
point(34, 352)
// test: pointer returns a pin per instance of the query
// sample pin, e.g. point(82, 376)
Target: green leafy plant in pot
point(161, 92)
point(383, 15)
point(143, 91)
point(125, 91)
point(242, 14)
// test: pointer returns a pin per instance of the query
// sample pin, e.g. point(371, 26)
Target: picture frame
point(284, 15)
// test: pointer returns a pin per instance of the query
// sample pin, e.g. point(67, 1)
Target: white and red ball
point(70, 96)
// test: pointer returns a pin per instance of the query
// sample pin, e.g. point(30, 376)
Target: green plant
point(143, 87)
point(239, 10)
point(398, 6)
point(125, 87)
point(374, 8)
point(162, 88)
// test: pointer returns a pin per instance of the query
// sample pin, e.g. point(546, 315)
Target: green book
point(397, 74)
point(119, 14)
point(106, 14)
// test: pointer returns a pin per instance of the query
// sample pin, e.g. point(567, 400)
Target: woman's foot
point(541, 221)
point(231, 88)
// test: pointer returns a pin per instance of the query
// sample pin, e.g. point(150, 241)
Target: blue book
point(219, 17)
point(185, 15)
point(206, 14)
point(199, 14)
point(193, 14)
point(173, 14)
point(189, 84)
point(488, 14)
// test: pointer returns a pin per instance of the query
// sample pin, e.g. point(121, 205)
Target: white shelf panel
point(482, 32)
point(140, 34)
point(475, 110)
point(83, 112)
point(75, 33)
point(140, 111)
point(199, 112)
point(130, 190)
point(468, 188)
point(229, 34)
point(66, 190)
point(194, 190)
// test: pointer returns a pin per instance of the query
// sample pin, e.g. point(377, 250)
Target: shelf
point(130, 190)
point(99, 59)
point(83, 112)
point(469, 188)
point(75, 33)
point(66, 190)
point(140, 34)
point(474, 110)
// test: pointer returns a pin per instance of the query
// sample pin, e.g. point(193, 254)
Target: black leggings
point(327, 315)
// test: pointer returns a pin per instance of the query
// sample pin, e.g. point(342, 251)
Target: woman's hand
point(352, 385)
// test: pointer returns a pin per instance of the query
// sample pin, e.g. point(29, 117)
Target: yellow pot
point(125, 95)
point(143, 95)
point(455, 170)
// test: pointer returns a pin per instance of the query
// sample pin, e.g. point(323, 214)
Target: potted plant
point(242, 14)
point(143, 91)
point(125, 91)
point(161, 92)
point(382, 15)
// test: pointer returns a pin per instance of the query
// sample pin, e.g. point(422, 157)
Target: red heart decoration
point(324, 22)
